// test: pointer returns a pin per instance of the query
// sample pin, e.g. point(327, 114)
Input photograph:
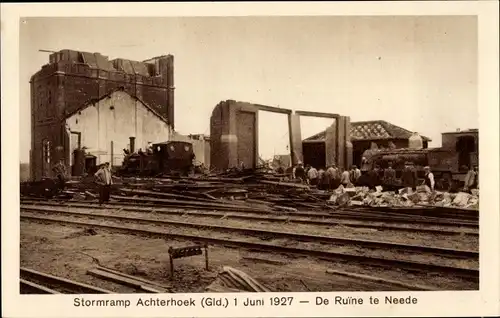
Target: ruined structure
point(362, 135)
point(72, 81)
point(234, 135)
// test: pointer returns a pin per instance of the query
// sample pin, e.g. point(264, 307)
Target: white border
point(480, 303)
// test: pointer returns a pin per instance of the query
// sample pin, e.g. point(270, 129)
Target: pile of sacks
point(363, 196)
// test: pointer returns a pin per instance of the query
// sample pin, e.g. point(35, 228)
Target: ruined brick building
point(82, 99)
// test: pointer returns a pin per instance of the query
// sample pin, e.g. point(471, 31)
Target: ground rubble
point(423, 196)
point(258, 188)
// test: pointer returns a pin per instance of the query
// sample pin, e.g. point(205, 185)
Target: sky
point(419, 73)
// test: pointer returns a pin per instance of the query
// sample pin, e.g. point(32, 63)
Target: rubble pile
point(263, 189)
point(423, 196)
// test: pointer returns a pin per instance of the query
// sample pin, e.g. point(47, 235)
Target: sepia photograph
point(249, 154)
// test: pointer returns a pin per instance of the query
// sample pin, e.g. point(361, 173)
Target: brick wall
point(72, 79)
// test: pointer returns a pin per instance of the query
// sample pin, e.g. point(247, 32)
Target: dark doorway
point(314, 154)
point(465, 146)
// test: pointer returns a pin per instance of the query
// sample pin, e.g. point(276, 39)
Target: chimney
point(132, 144)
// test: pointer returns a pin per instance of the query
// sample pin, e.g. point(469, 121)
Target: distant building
point(83, 99)
point(363, 134)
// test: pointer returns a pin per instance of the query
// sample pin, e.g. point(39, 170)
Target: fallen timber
point(320, 220)
point(467, 273)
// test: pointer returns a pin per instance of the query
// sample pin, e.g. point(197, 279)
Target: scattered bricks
point(461, 199)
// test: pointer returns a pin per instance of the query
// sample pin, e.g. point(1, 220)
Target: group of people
point(386, 178)
point(327, 178)
point(332, 177)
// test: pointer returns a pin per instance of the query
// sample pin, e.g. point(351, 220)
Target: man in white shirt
point(429, 178)
point(345, 178)
point(312, 176)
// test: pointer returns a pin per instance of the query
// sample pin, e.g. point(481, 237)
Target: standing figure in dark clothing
point(61, 173)
point(104, 179)
point(409, 177)
point(471, 179)
point(389, 177)
point(374, 177)
point(299, 172)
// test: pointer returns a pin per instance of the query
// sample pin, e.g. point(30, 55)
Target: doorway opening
point(465, 146)
point(313, 140)
point(274, 139)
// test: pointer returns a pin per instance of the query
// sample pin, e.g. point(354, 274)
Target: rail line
point(267, 233)
point(323, 221)
point(336, 215)
point(468, 273)
point(35, 282)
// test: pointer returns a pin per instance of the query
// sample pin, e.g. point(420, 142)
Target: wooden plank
point(273, 109)
point(286, 184)
point(38, 287)
point(316, 114)
point(122, 280)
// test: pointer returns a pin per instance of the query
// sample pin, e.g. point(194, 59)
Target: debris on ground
point(248, 189)
point(231, 280)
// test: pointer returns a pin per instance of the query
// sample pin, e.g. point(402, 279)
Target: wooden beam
point(316, 114)
point(273, 109)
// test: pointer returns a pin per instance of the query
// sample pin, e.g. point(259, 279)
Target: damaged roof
point(372, 130)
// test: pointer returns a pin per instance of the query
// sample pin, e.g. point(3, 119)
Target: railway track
point(266, 234)
point(35, 282)
point(321, 220)
point(316, 249)
point(313, 218)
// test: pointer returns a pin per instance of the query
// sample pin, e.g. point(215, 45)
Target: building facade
point(362, 135)
point(109, 125)
point(73, 80)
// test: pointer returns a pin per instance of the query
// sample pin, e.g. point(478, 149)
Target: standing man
point(104, 179)
point(313, 175)
point(61, 173)
point(389, 177)
point(374, 177)
point(355, 174)
point(345, 178)
point(322, 183)
point(429, 178)
point(332, 174)
point(409, 177)
point(299, 172)
point(471, 179)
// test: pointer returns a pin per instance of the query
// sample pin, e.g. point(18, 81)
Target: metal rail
point(467, 273)
point(46, 283)
point(267, 218)
point(28, 287)
point(274, 234)
point(361, 216)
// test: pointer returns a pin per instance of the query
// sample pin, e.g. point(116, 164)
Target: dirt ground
point(336, 231)
point(67, 251)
